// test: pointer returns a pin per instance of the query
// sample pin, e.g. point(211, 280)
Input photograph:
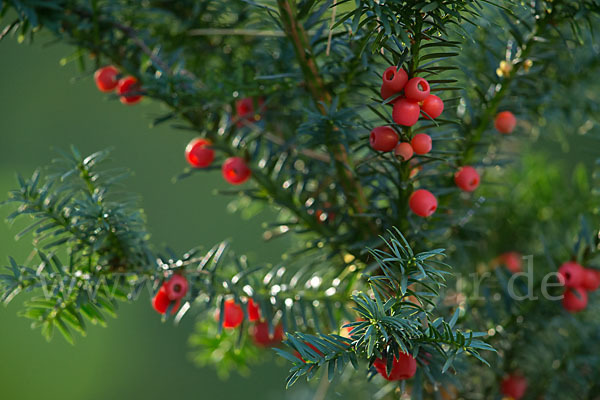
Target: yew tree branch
point(316, 86)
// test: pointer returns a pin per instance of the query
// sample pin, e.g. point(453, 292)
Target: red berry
point(235, 170)
point(512, 260)
point(423, 203)
point(591, 279)
point(404, 150)
point(403, 367)
point(244, 108)
point(261, 337)
point(245, 111)
point(199, 154)
point(383, 138)
point(394, 80)
point(161, 302)
point(234, 315)
point(176, 287)
point(514, 386)
point(571, 274)
point(253, 311)
point(505, 122)
point(106, 78)
point(433, 106)
point(406, 112)
point(417, 89)
point(575, 299)
point(421, 143)
point(467, 178)
point(386, 92)
point(129, 89)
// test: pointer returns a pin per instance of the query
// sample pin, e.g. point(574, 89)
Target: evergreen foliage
point(361, 259)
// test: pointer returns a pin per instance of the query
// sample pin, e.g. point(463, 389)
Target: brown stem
point(296, 33)
point(316, 86)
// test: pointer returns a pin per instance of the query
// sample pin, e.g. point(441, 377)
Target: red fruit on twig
point(467, 178)
point(514, 386)
point(161, 302)
point(383, 138)
point(421, 143)
point(394, 80)
point(129, 90)
point(423, 203)
point(432, 106)
point(575, 300)
point(233, 314)
point(403, 367)
point(406, 112)
point(505, 122)
point(106, 78)
point(261, 337)
point(417, 89)
point(246, 112)
point(176, 287)
point(253, 311)
point(199, 154)
point(571, 274)
point(404, 151)
point(512, 260)
point(235, 170)
point(591, 279)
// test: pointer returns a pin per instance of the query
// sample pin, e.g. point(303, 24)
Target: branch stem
point(321, 96)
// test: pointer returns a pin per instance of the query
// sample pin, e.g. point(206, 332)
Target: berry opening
point(423, 86)
point(389, 75)
point(177, 288)
point(232, 173)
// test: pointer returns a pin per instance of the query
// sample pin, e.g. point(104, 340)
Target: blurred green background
point(46, 106)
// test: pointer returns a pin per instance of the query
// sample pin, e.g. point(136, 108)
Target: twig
point(491, 110)
point(331, 26)
point(307, 152)
point(133, 35)
point(316, 86)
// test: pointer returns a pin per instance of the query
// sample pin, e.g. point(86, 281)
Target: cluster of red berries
point(403, 367)
point(578, 281)
point(171, 291)
point(233, 315)
point(109, 78)
point(514, 386)
point(199, 154)
point(415, 98)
